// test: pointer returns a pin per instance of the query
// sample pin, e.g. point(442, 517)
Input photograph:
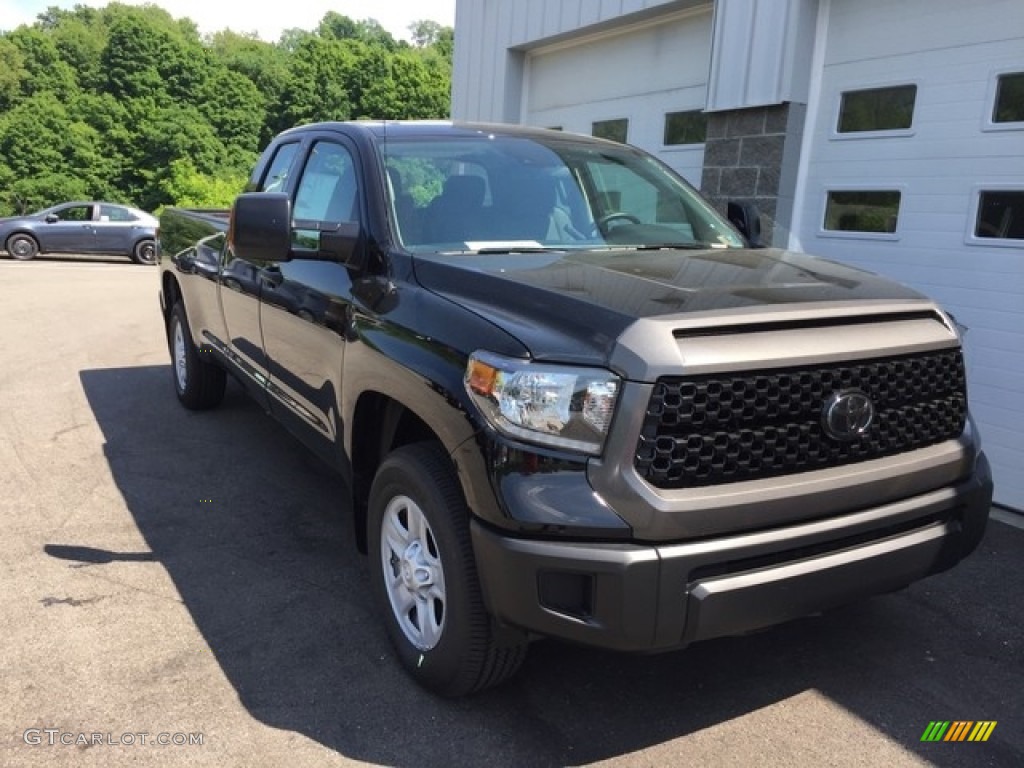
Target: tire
point(198, 384)
point(22, 247)
point(144, 252)
point(424, 578)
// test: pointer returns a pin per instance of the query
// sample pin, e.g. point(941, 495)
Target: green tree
point(265, 64)
point(173, 133)
point(43, 70)
point(235, 109)
point(317, 84)
point(130, 104)
point(12, 71)
point(186, 186)
point(425, 33)
point(409, 89)
point(80, 37)
point(42, 147)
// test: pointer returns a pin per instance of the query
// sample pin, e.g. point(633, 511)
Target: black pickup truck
point(569, 398)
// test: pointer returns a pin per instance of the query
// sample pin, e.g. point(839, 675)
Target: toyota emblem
point(848, 414)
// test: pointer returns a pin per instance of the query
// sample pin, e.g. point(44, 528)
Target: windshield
point(500, 193)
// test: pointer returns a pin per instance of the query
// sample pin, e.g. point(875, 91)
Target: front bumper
point(644, 597)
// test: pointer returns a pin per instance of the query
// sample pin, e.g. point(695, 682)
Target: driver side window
point(328, 190)
point(75, 213)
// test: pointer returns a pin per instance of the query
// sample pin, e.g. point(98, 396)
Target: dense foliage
point(128, 104)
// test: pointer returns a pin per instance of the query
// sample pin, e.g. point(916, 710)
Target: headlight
point(553, 405)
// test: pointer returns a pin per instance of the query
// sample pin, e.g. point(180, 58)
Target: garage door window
point(862, 211)
point(877, 109)
point(685, 127)
point(1009, 102)
point(1000, 215)
point(616, 130)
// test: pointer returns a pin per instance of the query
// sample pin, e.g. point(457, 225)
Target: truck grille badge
point(848, 414)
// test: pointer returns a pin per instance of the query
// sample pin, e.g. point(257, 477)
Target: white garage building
point(889, 135)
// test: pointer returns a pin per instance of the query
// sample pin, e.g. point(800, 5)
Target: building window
point(1000, 215)
point(877, 109)
point(616, 130)
point(862, 211)
point(1009, 103)
point(686, 127)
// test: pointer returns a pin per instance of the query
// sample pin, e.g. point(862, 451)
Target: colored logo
point(848, 414)
point(958, 730)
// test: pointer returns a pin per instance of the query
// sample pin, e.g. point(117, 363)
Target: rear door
point(241, 285)
point(116, 229)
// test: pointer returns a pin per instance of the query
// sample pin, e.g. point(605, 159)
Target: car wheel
point(144, 252)
point(22, 247)
point(424, 577)
point(198, 384)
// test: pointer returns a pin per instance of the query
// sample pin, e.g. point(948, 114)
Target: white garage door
point(638, 74)
point(915, 169)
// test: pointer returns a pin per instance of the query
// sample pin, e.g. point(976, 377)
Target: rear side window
point(113, 213)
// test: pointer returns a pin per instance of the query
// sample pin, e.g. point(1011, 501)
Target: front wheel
point(144, 252)
point(198, 384)
point(424, 577)
point(22, 247)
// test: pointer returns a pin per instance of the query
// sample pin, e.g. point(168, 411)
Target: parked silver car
point(82, 227)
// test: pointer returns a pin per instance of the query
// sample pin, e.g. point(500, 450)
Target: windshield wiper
point(502, 249)
point(689, 245)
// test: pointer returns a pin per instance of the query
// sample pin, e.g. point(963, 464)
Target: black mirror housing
point(261, 227)
point(747, 219)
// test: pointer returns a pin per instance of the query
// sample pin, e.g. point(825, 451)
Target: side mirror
point(261, 227)
point(52, 218)
point(747, 219)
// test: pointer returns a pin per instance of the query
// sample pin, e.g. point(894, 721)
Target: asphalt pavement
point(182, 589)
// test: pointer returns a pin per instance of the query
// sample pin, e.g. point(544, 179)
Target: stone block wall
point(751, 155)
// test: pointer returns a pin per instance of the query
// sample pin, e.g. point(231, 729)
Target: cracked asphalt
point(189, 579)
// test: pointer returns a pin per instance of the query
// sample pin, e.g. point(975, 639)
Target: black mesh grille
point(707, 430)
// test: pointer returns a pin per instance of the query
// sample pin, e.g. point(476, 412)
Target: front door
point(69, 230)
point(304, 302)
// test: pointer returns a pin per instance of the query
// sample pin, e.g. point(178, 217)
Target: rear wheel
point(22, 247)
point(144, 252)
point(198, 384)
point(424, 577)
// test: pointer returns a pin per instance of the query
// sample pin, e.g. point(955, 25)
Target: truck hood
point(572, 306)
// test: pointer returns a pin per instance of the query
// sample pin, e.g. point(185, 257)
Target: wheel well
point(26, 233)
point(379, 426)
point(172, 293)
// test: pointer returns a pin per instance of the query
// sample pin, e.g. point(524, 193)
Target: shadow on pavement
point(254, 533)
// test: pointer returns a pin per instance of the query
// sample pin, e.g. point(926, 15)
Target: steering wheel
point(603, 223)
